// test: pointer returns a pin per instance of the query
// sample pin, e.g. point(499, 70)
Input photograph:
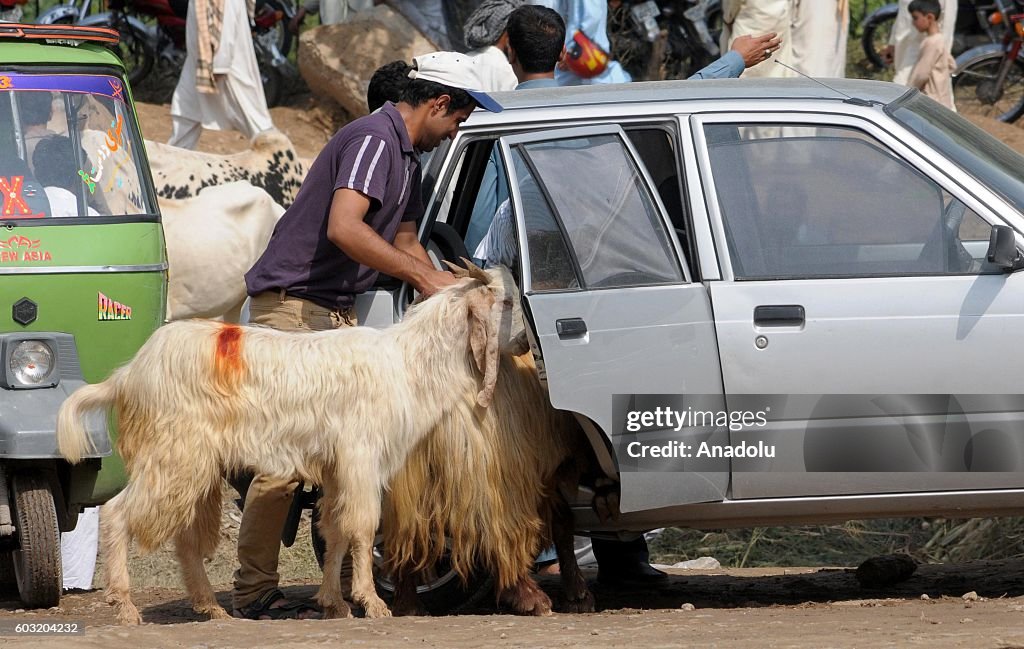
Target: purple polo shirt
point(372, 155)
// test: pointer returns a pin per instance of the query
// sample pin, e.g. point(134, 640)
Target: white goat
point(337, 408)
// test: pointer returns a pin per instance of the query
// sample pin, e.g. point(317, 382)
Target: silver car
point(829, 269)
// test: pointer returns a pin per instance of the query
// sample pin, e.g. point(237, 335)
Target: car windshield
point(69, 148)
point(987, 159)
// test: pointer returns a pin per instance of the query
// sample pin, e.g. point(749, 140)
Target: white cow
point(270, 163)
point(212, 240)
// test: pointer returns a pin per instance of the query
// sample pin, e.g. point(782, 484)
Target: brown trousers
point(269, 499)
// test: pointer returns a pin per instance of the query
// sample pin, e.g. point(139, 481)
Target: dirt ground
point(782, 607)
point(793, 607)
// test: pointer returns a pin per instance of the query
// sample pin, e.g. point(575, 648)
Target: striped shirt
point(372, 155)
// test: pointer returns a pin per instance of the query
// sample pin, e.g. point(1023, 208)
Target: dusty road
point(732, 608)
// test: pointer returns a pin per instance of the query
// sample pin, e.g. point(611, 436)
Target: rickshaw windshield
point(69, 148)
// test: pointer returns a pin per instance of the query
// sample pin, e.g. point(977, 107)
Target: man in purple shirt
point(354, 217)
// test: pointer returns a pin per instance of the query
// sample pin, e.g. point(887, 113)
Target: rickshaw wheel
point(37, 567)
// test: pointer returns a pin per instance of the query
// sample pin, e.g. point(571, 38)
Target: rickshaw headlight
point(31, 362)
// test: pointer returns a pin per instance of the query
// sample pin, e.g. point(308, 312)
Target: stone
point(878, 572)
point(700, 563)
point(337, 61)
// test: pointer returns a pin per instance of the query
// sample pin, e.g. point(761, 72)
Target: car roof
point(14, 52)
point(698, 90)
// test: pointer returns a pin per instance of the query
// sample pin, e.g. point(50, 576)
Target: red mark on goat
point(228, 363)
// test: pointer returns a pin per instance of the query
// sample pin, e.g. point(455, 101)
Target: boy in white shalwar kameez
point(905, 44)
point(220, 85)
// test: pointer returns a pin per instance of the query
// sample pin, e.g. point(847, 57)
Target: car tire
point(37, 566)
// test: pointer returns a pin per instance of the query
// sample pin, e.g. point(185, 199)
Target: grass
point(927, 540)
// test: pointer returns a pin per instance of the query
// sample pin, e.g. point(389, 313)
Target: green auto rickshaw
point(83, 274)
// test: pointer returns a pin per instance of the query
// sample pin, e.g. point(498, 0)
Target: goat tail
point(72, 438)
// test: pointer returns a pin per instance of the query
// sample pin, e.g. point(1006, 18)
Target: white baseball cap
point(454, 70)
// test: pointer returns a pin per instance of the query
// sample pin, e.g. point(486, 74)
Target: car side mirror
point(1002, 249)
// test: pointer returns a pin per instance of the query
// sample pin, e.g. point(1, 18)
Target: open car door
point(612, 306)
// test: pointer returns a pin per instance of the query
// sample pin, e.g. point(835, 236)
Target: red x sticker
point(117, 88)
point(15, 206)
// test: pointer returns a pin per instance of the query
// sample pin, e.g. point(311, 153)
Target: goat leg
point(336, 543)
point(193, 544)
point(364, 592)
point(407, 602)
point(577, 598)
point(115, 544)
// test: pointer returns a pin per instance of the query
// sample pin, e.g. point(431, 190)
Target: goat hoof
point(129, 616)
point(532, 603)
point(377, 609)
point(216, 613)
point(337, 612)
point(582, 604)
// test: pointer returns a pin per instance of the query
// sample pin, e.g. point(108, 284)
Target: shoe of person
point(263, 608)
point(634, 575)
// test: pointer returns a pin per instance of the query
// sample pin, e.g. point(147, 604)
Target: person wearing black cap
point(354, 217)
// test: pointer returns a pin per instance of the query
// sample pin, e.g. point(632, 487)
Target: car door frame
point(640, 490)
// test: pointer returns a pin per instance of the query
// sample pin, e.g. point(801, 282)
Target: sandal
point(263, 609)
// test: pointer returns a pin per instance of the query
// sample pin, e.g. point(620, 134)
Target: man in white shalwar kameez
point(819, 37)
point(756, 17)
point(905, 42)
point(220, 85)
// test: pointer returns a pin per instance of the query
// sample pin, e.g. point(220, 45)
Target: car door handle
point(779, 315)
point(570, 327)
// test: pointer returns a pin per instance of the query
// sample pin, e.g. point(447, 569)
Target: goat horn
point(457, 270)
point(475, 271)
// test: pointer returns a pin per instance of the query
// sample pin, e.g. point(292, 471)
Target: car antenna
point(856, 101)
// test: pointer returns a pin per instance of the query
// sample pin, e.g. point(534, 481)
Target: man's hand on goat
point(756, 49)
point(433, 281)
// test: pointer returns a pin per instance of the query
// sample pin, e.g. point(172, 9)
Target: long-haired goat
point(337, 408)
point(490, 480)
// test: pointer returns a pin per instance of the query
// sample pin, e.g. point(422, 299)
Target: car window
point(808, 201)
point(551, 264)
point(595, 191)
point(657, 151)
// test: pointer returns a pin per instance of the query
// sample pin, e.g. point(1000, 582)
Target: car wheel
point(37, 567)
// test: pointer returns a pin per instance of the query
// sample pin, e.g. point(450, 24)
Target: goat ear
point(483, 339)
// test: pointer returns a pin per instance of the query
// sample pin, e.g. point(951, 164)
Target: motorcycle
point(10, 10)
point(664, 39)
point(989, 79)
point(144, 47)
point(972, 28)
